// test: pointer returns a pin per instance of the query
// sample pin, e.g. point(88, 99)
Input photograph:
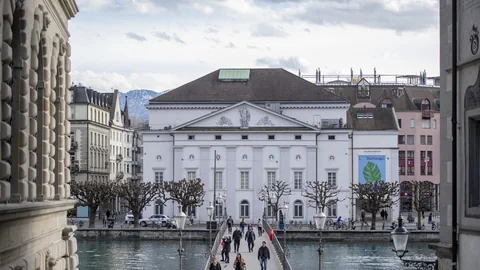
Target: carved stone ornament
point(474, 40)
point(265, 121)
point(244, 117)
point(46, 21)
point(50, 261)
point(224, 121)
point(472, 95)
point(63, 47)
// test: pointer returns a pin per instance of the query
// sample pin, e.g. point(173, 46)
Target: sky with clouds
point(162, 44)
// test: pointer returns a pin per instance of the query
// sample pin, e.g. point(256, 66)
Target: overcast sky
point(162, 44)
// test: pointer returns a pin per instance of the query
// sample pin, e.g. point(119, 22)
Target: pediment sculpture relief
point(265, 121)
point(224, 121)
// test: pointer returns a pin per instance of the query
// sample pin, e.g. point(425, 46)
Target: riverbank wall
point(303, 235)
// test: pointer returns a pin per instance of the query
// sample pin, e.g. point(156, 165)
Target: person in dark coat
point(242, 225)
point(226, 249)
point(214, 265)
point(263, 255)
point(250, 238)
point(237, 236)
point(108, 214)
point(239, 263)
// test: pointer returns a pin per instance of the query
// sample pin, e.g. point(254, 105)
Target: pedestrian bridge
point(277, 259)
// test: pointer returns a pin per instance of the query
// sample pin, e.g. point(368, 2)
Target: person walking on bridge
point(214, 265)
point(263, 255)
point(237, 236)
point(250, 237)
point(239, 263)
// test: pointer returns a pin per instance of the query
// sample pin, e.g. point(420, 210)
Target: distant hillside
point(137, 99)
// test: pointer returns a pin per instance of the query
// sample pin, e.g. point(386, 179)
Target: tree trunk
point(374, 217)
point(184, 208)
point(91, 216)
point(136, 218)
point(419, 220)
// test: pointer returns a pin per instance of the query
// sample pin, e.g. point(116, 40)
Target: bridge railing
point(278, 247)
point(216, 243)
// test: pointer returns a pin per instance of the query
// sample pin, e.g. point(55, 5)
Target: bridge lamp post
point(284, 210)
point(210, 213)
point(320, 223)
point(180, 220)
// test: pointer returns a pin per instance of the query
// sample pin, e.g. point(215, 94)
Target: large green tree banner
point(371, 169)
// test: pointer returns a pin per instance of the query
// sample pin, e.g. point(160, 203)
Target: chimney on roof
point(351, 75)
point(424, 77)
point(299, 73)
point(361, 74)
point(316, 75)
point(375, 75)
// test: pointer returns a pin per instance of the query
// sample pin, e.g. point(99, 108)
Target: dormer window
point(426, 109)
point(386, 103)
point(365, 115)
point(363, 90)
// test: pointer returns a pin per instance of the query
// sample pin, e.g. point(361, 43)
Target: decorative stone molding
point(265, 121)
point(50, 261)
point(224, 121)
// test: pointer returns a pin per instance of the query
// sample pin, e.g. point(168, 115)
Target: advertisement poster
point(371, 169)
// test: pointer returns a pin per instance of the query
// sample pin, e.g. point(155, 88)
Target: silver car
point(162, 220)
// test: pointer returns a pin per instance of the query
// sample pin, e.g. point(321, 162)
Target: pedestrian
point(108, 214)
point(104, 221)
point(430, 217)
point(386, 215)
point(214, 265)
point(223, 248)
point(263, 255)
point(242, 226)
point(226, 249)
point(260, 227)
point(237, 236)
point(250, 238)
point(423, 214)
point(229, 224)
point(239, 263)
point(382, 214)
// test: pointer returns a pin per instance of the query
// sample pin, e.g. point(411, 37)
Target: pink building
point(416, 100)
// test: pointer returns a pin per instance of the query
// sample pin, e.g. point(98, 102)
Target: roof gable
point(244, 115)
point(271, 84)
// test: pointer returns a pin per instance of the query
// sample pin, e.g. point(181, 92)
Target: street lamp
point(219, 202)
point(224, 204)
point(400, 239)
point(180, 220)
point(210, 213)
point(320, 223)
point(284, 210)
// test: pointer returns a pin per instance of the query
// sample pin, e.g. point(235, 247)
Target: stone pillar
point(231, 177)
point(70, 256)
point(258, 181)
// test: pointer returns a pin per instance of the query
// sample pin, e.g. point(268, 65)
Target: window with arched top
point(298, 209)
point(244, 209)
point(386, 103)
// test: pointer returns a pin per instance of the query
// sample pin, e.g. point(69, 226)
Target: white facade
point(298, 152)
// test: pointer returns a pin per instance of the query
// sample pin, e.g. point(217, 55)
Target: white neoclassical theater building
point(264, 125)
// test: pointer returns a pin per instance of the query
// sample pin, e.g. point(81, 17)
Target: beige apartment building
point(34, 134)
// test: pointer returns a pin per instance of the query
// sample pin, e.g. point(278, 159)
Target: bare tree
point(375, 196)
point(184, 192)
point(92, 194)
point(422, 194)
point(277, 190)
point(137, 196)
point(322, 194)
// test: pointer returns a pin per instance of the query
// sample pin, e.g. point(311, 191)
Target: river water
point(157, 254)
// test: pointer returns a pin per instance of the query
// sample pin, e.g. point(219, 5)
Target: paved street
point(250, 258)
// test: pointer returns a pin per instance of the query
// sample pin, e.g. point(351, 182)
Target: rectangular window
point(410, 139)
point(429, 163)
point(410, 162)
point(192, 175)
point(297, 180)
point(434, 123)
point(412, 123)
point(332, 179)
point(244, 137)
point(423, 162)
point(159, 177)
point(244, 209)
point(473, 183)
point(332, 210)
point(219, 181)
point(401, 162)
point(331, 137)
point(271, 137)
point(218, 137)
point(400, 123)
point(401, 139)
point(219, 209)
point(270, 212)
point(422, 140)
point(425, 123)
point(191, 137)
point(128, 152)
point(271, 178)
point(128, 168)
point(244, 180)
point(298, 137)
point(298, 210)
point(158, 208)
point(429, 140)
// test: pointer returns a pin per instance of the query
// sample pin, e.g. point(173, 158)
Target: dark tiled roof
point(263, 85)
point(401, 96)
point(82, 94)
point(383, 119)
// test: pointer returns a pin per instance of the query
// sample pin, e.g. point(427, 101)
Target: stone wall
point(358, 236)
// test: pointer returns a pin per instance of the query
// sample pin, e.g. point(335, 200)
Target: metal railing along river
point(278, 248)
point(216, 244)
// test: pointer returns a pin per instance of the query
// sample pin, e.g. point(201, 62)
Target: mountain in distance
point(137, 100)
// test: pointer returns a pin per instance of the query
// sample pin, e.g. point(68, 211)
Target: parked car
point(163, 220)
point(129, 219)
